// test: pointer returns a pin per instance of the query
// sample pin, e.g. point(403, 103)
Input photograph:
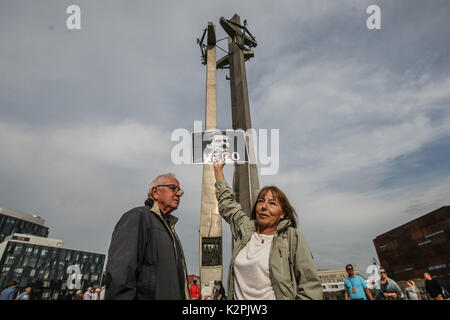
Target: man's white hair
point(159, 180)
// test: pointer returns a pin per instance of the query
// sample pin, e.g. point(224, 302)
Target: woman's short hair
point(286, 207)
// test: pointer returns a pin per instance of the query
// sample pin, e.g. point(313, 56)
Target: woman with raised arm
point(270, 259)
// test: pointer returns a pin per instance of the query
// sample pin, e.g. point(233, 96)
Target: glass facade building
point(10, 224)
point(45, 268)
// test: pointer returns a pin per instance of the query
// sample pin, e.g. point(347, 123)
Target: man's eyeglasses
point(172, 187)
point(384, 272)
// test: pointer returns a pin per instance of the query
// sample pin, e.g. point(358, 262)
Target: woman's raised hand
point(218, 168)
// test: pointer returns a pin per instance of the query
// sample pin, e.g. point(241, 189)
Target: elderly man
point(145, 257)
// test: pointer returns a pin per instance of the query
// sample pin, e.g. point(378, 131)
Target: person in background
point(102, 293)
point(271, 259)
point(25, 295)
point(412, 292)
point(96, 294)
point(389, 289)
point(424, 294)
point(10, 292)
point(215, 290)
point(88, 295)
point(355, 286)
point(222, 295)
point(79, 295)
point(207, 292)
point(194, 290)
point(433, 287)
point(69, 296)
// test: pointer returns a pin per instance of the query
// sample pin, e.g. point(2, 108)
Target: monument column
point(245, 179)
point(210, 219)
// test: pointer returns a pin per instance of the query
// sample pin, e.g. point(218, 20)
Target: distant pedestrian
point(96, 294)
point(222, 295)
point(355, 286)
point(412, 292)
point(25, 295)
point(424, 294)
point(88, 295)
point(389, 289)
point(216, 290)
point(433, 287)
point(207, 292)
point(194, 290)
point(70, 295)
point(10, 292)
point(78, 295)
point(445, 294)
point(102, 293)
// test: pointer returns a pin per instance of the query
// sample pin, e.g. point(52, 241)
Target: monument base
point(210, 274)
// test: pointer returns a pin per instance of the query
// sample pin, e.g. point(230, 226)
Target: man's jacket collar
point(172, 220)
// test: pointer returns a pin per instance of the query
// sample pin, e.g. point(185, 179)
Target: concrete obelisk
point(210, 219)
point(245, 180)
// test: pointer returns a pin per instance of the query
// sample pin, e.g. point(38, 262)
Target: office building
point(45, 266)
point(419, 246)
point(12, 221)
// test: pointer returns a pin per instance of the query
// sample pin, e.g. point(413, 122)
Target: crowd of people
point(387, 289)
point(11, 293)
point(90, 294)
point(355, 289)
point(214, 292)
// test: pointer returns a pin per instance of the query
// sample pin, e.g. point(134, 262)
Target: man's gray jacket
point(145, 257)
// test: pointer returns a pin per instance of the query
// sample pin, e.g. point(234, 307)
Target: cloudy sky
point(86, 115)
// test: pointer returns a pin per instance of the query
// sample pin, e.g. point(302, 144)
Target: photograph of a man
point(218, 146)
point(227, 145)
